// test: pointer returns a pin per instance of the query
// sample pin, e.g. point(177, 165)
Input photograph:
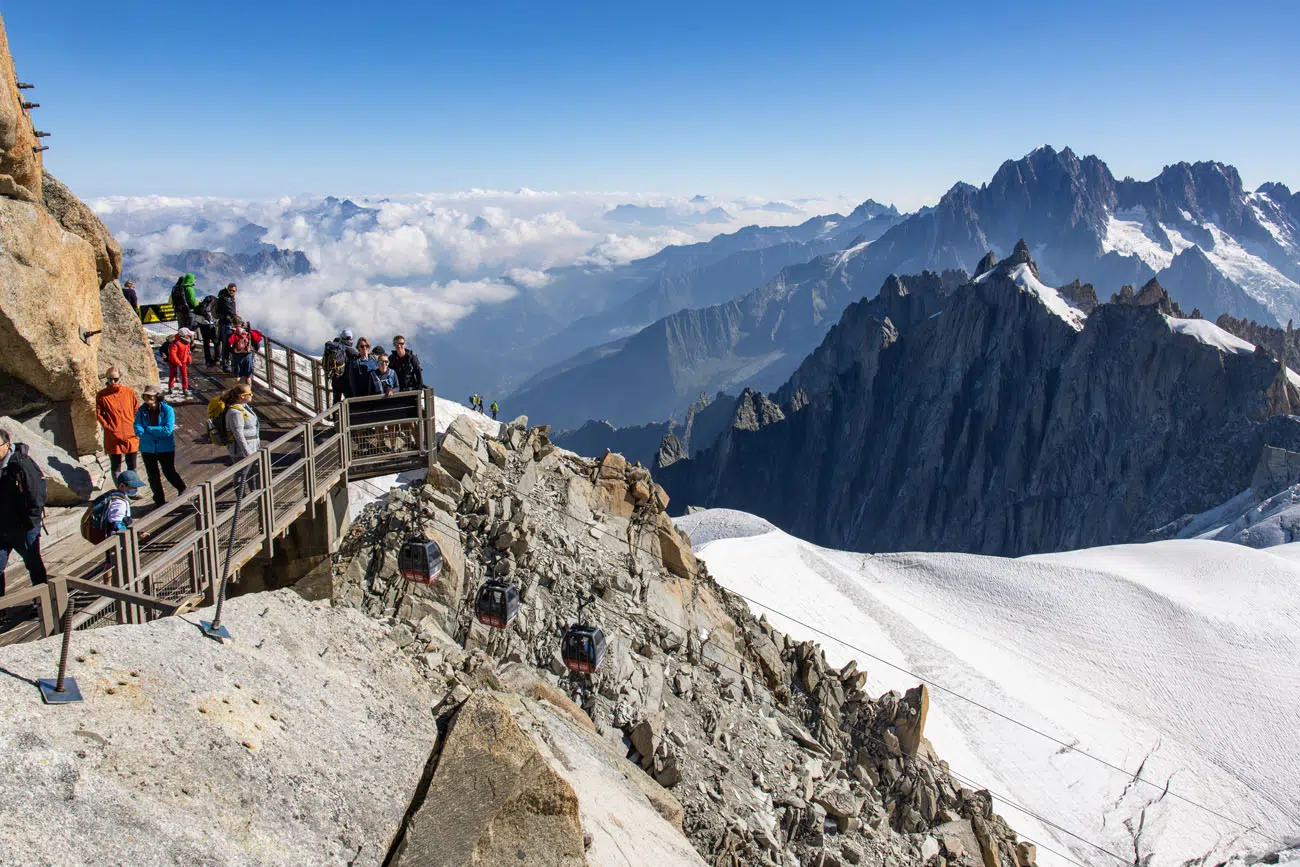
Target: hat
point(130, 478)
point(186, 334)
point(345, 334)
point(153, 390)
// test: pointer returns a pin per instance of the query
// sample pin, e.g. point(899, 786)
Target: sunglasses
point(112, 379)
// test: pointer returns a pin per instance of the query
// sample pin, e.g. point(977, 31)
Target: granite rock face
point(19, 159)
point(76, 217)
point(302, 742)
point(997, 427)
point(124, 342)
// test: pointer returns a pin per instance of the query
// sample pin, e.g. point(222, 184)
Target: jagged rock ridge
point(994, 425)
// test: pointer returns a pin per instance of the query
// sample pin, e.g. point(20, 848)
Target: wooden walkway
point(175, 552)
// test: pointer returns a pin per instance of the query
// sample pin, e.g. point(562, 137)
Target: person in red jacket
point(178, 361)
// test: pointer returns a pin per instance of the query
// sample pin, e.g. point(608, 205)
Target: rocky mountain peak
point(986, 264)
point(671, 451)
point(1152, 294)
point(870, 209)
point(755, 410)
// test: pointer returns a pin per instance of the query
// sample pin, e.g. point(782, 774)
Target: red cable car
point(583, 646)
point(420, 561)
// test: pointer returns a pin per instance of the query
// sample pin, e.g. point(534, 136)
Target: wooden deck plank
point(197, 461)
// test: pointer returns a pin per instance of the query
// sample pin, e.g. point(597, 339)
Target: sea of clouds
point(421, 263)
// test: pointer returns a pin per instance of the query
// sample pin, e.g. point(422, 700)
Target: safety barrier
point(171, 559)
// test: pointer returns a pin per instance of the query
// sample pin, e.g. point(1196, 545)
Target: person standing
point(495, 410)
point(205, 317)
point(227, 313)
point(242, 425)
point(382, 379)
point(128, 292)
point(339, 354)
point(115, 408)
point(155, 425)
point(184, 301)
point(179, 356)
point(406, 364)
point(359, 369)
point(241, 347)
point(22, 509)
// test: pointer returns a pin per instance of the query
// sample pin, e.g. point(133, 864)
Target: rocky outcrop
point(301, 742)
point(745, 739)
point(20, 162)
point(76, 217)
point(125, 343)
point(43, 339)
point(493, 799)
point(67, 481)
point(1024, 435)
point(1281, 343)
point(57, 257)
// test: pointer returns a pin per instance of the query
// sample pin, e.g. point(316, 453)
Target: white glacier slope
point(1177, 658)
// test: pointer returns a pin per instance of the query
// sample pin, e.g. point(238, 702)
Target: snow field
point(1176, 657)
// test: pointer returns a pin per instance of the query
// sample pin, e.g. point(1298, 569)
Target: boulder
point(444, 482)
point(124, 342)
point(494, 799)
point(462, 428)
point(302, 742)
point(77, 217)
point(49, 298)
point(67, 481)
point(910, 721)
point(675, 548)
point(613, 466)
point(18, 157)
point(457, 458)
point(612, 496)
point(496, 453)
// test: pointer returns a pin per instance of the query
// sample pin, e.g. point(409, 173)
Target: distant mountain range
point(1000, 415)
point(1215, 246)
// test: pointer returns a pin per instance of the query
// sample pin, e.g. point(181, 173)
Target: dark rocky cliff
point(993, 425)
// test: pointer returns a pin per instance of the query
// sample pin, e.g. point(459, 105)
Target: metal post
point(268, 491)
point(63, 689)
point(309, 469)
point(430, 428)
point(213, 629)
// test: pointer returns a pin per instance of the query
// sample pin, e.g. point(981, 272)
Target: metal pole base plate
point(71, 692)
point(218, 634)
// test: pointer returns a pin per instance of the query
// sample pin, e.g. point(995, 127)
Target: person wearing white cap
point(179, 357)
point(155, 425)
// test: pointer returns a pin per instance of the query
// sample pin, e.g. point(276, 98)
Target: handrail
point(129, 579)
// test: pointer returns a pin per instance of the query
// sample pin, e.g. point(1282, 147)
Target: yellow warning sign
point(150, 313)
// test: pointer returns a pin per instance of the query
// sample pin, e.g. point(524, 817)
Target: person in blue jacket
point(155, 425)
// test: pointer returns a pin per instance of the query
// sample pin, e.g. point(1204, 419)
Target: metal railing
point(170, 560)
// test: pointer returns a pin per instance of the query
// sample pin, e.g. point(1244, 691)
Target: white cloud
point(422, 262)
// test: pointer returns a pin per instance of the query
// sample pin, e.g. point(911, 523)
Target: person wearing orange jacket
point(115, 407)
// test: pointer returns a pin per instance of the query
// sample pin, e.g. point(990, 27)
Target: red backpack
point(241, 342)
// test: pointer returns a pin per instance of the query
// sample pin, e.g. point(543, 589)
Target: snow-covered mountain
point(1217, 247)
point(1174, 661)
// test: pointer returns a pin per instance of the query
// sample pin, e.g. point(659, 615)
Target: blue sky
point(894, 100)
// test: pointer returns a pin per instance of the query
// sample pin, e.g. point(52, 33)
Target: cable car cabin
point(583, 648)
point(497, 604)
point(420, 561)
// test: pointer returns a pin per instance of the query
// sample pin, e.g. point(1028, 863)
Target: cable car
point(497, 604)
point(420, 561)
point(583, 648)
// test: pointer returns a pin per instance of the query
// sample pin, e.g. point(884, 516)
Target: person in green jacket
point(495, 409)
point(184, 301)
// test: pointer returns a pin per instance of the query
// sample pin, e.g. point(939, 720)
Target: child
point(178, 361)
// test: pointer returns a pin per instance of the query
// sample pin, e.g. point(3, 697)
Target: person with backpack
point(242, 427)
point(495, 410)
point(111, 512)
point(339, 353)
point(179, 356)
point(406, 364)
point(22, 509)
point(242, 347)
point(206, 319)
point(382, 379)
point(115, 408)
point(184, 300)
point(155, 425)
point(226, 315)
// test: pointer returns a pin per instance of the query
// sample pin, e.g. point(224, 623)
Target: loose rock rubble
point(775, 756)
